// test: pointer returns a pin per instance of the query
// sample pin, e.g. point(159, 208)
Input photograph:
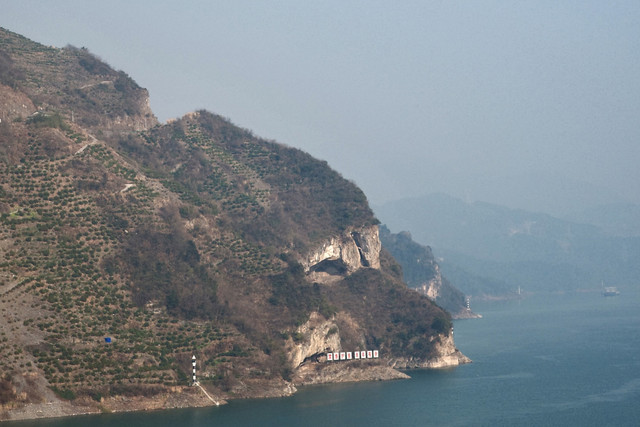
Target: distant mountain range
point(616, 219)
point(490, 249)
point(547, 192)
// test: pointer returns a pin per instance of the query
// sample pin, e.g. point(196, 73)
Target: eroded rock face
point(308, 347)
point(345, 254)
point(432, 287)
point(14, 104)
point(447, 355)
point(346, 372)
point(314, 338)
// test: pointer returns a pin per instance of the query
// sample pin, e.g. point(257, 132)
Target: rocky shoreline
point(189, 396)
point(309, 370)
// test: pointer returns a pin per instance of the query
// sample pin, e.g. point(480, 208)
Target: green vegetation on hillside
point(127, 246)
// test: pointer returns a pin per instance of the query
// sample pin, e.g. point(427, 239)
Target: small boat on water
point(609, 291)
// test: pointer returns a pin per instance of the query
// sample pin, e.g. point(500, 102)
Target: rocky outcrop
point(313, 339)
point(14, 105)
point(342, 372)
point(308, 347)
point(431, 288)
point(141, 117)
point(342, 255)
point(446, 355)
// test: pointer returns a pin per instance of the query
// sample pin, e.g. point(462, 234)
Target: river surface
point(561, 360)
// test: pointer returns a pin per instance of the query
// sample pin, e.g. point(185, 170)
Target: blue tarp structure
point(107, 339)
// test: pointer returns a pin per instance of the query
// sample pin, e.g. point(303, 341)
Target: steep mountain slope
point(127, 247)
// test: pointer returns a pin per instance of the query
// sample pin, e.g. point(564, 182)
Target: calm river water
point(569, 359)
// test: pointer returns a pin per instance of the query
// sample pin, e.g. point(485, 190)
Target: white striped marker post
point(193, 362)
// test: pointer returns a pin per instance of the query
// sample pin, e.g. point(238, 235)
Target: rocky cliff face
point(308, 347)
point(14, 105)
point(431, 288)
point(445, 355)
point(344, 254)
point(313, 339)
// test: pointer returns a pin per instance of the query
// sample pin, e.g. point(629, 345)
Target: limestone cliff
point(431, 288)
point(313, 339)
point(445, 355)
point(344, 254)
point(310, 343)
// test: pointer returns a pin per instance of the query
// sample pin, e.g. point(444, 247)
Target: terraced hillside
point(127, 246)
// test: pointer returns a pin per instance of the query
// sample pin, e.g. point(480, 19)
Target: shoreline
point(183, 397)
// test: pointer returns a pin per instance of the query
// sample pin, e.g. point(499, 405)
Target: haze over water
point(550, 359)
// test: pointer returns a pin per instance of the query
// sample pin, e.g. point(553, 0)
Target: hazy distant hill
point(542, 191)
point(127, 246)
point(620, 219)
point(513, 248)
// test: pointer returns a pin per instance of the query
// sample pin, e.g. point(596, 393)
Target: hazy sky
point(514, 102)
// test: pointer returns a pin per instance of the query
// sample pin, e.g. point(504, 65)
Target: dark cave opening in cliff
point(333, 267)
